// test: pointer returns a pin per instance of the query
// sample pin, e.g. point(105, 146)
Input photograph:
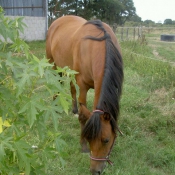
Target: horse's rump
point(59, 40)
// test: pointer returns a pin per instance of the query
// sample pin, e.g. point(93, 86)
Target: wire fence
point(152, 58)
point(129, 33)
point(143, 35)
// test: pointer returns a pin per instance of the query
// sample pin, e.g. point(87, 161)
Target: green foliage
point(148, 23)
point(110, 11)
point(168, 21)
point(28, 114)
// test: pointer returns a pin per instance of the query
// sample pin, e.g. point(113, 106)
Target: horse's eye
point(105, 141)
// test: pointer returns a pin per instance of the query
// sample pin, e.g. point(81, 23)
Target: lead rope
point(120, 131)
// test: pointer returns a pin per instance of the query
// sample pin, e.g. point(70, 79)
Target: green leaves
point(39, 65)
point(31, 111)
point(27, 87)
point(111, 11)
point(23, 156)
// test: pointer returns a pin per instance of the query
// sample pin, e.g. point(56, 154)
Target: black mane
point(111, 86)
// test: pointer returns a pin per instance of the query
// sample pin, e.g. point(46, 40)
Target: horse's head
point(100, 132)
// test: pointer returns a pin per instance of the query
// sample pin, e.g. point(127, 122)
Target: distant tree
point(168, 21)
point(59, 8)
point(128, 10)
point(114, 11)
point(136, 18)
point(148, 22)
point(111, 11)
point(107, 10)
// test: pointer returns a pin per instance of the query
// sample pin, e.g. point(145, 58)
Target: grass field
point(147, 116)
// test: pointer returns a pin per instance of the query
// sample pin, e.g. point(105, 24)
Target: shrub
point(28, 113)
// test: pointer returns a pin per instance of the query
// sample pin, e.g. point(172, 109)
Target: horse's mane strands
point(112, 81)
point(99, 25)
point(92, 127)
point(111, 86)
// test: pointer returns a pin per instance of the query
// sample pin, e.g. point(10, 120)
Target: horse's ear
point(106, 117)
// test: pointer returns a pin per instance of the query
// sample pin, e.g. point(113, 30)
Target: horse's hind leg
point(74, 99)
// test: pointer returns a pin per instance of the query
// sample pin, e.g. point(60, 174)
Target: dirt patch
point(156, 54)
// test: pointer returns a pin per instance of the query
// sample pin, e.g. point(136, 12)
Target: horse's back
point(67, 45)
point(59, 40)
point(89, 55)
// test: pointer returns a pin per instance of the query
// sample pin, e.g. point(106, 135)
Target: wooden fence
point(134, 33)
point(129, 33)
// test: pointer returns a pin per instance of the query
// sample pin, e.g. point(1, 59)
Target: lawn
point(147, 116)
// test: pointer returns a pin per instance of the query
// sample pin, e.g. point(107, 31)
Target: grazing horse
point(91, 49)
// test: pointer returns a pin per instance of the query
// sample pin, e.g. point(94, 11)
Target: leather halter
point(107, 157)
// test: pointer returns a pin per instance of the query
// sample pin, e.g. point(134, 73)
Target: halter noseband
point(107, 157)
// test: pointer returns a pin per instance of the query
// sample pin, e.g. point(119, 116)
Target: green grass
point(163, 50)
point(147, 118)
point(37, 48)
point(167, 53)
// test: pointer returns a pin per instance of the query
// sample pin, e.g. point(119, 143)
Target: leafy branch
point(29, 134)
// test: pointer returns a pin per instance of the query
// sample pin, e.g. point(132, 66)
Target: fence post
point(114, 27)
point(138, 32)
point(127, 33)
point(141, 31)
point(134, 32)
point(122, 33)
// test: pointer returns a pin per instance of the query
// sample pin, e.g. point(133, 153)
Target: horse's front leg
point(84, 115)
point(74, 99)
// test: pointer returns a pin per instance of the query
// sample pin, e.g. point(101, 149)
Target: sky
point(155, 10)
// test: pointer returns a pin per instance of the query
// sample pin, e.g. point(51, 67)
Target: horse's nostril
point(99, 172)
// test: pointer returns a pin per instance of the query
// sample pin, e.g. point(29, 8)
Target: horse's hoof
point(75, 111)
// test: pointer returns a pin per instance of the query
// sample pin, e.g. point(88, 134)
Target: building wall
point(34, 13)
point(35, 30)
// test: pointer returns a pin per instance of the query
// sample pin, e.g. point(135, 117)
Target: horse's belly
point(62, 57)
point(62, 62)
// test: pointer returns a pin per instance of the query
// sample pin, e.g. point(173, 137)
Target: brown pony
point(91, 49)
